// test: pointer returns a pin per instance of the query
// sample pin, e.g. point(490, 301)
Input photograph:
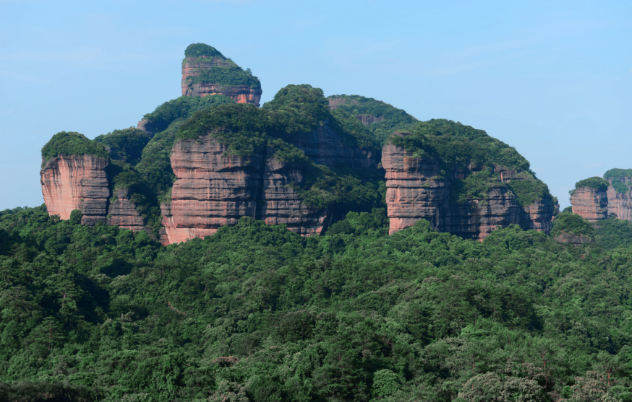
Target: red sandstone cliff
point(72, 182)
point(590, 203)
point(415, 190)
point(212, 189)
point(280, 204)
point(192, 67)
point(122, 212)
point(620, 204)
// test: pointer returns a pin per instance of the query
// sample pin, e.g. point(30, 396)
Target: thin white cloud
point(12, 75)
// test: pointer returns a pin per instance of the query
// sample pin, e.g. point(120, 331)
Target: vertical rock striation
point(620, 204)
point(212, 189)
point(72, 182)
point(590, 203)
point(417, 189)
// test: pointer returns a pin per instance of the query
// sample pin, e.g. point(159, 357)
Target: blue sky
point(553, 79)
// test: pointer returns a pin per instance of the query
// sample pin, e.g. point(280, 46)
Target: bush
point(126, 145)
point(202, 49)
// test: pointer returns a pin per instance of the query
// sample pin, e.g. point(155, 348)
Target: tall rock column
point(212, 189)
point(413, 189)
point(72, 182)
point(590, 203)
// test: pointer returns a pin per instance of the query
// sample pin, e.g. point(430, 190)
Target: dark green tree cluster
point(595, 182)
point(619, 178)
point(125, 145)
point(201, 50)
point(224, 73)
point(181, 109)
point(458, 147)
point(394, 119)
point(72, 143)
point(257, 313)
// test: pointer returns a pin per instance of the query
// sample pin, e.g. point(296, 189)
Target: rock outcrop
point(122, 212)
point(620, 204)
point(72, 182)
point(417, 190)
point(590, 203)
point(194, 66)
point(212, 189)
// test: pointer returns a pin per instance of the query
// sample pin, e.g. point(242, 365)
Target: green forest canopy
point(394, 118)
point(72, 143)
point(257, 313)
point(457, 146)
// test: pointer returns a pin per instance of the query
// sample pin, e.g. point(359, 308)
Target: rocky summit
point(200, 162)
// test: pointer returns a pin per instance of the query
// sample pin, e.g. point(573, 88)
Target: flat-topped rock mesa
point(80, 174)
point(597, 198)
point(381, 118)
point(469, 198)
point(216, 185)
point(206, 71)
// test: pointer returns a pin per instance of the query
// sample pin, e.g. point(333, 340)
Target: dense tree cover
point(619, 177)
point(125, 145)
point(393, 118)
point(202, 49)
point(458, 147)
point(595, 182)
point(257, 313)
point(181, 108)
point(72, 143)
point(225, 76)
point(569, 222)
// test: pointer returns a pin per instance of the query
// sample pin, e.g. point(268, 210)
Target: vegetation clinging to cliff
point(394, 118)
point(595, 182)
point(618, 176)
point(72, 143)
point(225, 76)
point(572, 223)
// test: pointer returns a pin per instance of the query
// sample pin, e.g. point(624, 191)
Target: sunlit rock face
point(590, 203)
point(80, 182)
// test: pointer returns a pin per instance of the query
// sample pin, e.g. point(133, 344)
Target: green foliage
point(529, 190)
point(181, 108)
point(202, 49)
point(458, 147)
point(476, 186)
point(225, 76)
point(298, 109)
point(256, 312)
point(569, 222)
point(619, 179)
point(126, 145)
point(72, 143)
point(612, 233)
point(597, 183)
point(394, 119)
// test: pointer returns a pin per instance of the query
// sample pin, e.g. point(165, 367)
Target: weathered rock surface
point(620, 204)
point(142, 125)
point(415, 190)
point(122, 212)
point(72, 182)
point(194, 66)
point(326, 147)
point(280, 204)
point(211, 190)
point(590, 203)
point(574, 239)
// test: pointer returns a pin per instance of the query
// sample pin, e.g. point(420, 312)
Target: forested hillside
point(258, 313)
